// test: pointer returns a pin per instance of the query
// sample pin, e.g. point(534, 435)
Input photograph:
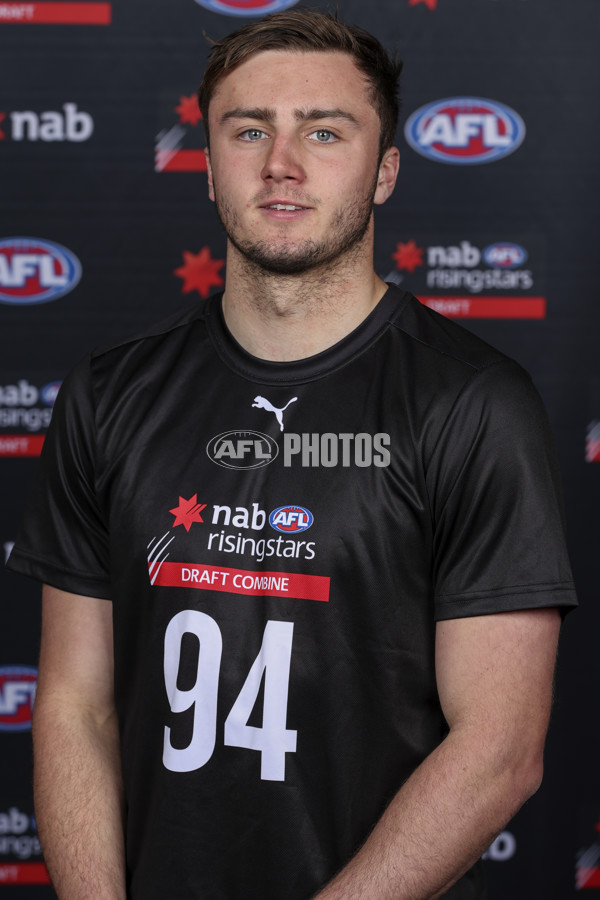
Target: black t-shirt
point(278, 541)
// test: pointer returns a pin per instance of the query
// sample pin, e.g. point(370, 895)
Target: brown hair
point(305, 30)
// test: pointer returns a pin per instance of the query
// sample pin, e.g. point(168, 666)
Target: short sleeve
point(494, 488)
point(63, 538)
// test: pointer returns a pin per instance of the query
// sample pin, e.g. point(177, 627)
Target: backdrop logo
point(291, 519)
point(36, 271)
point(72, 124)
point(242, 449)
point(504, 256)
point(465, 130)
point(461, 278)
point(246, 7)
point(587, 867)
point(17, 12)
point(17, 694)
point(179, 146)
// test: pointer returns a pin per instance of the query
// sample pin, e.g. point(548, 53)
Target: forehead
point(283, 77)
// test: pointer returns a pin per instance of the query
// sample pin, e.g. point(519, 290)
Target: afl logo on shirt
point(291, 519)
point(36, 271)
point(465, 131)
point(242, 449)
point(17, 693)
point(246, 7)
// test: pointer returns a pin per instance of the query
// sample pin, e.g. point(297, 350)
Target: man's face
point(293, 159)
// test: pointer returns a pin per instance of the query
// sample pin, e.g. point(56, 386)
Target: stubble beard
point(345, 235)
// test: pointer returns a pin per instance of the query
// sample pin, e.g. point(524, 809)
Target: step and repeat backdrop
point(105, 226)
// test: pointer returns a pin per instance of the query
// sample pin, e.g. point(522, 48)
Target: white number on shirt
point(272, 739)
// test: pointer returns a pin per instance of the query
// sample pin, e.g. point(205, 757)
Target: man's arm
point(494, 676)
point(77, 770)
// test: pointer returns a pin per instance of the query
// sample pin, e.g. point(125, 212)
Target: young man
point(326, 520)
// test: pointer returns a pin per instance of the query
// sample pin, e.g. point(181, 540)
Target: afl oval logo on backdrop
point(17, 694)
point(246, 7)
point(36, 271)
point(465, 130)
point(505, 255)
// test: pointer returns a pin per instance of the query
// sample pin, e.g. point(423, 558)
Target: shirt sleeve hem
point(48, 573)
point(457, 606)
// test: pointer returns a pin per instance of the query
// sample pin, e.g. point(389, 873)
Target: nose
point(283, 161)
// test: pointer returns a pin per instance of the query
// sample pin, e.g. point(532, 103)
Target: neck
point(287, 317)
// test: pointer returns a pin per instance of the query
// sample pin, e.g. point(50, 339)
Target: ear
point(211, 192)
point(388, 172)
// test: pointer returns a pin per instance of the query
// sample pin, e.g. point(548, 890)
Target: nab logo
point(246, 7)
point(36, 271)
point(242, 449)
point(72, 124)
point(17, 694)
point(465, 131)
point(505, 256)
point(291, 519)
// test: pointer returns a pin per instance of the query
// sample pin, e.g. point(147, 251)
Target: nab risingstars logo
point(247, 7)
point(465, 131)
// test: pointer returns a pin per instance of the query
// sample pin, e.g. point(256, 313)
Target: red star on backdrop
point(430, 3)
point(408, 256)
point(2, 135)
point(187, 512)
point(200, 272)
point(188, 110)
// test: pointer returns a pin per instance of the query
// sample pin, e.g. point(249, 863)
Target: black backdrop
point(106, 226)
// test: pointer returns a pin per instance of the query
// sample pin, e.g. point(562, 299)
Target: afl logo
point(504, 255)
point(291, 519)
point(17, 693)
point(246, 7)
point(36, 271)
point(242, 449)
point(465, 131)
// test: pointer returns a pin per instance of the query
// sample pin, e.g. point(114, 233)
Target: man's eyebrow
point(264, 114)
point(303, 115)
point(259, 113)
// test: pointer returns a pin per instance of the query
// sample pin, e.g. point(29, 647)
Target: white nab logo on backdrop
point(465, 130)
point(69, 124)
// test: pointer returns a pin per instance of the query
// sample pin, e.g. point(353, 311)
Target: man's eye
point(323, 136)
point(252, 134)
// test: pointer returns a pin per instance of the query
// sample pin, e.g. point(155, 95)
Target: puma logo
point(263, 403)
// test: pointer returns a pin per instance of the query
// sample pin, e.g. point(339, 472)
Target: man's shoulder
point(440, 337)
point(174, 325)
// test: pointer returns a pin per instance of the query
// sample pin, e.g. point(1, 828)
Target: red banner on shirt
point(240, 581)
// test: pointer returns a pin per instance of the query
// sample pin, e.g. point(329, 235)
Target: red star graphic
point(187, 512)
point(200, 272)
point(2, 135)
point(408, 256)
point(430, 3)
point(188, 110)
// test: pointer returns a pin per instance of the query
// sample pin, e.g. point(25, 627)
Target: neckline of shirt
point(312, 367)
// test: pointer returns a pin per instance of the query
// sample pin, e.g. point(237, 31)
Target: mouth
point(283, 207)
